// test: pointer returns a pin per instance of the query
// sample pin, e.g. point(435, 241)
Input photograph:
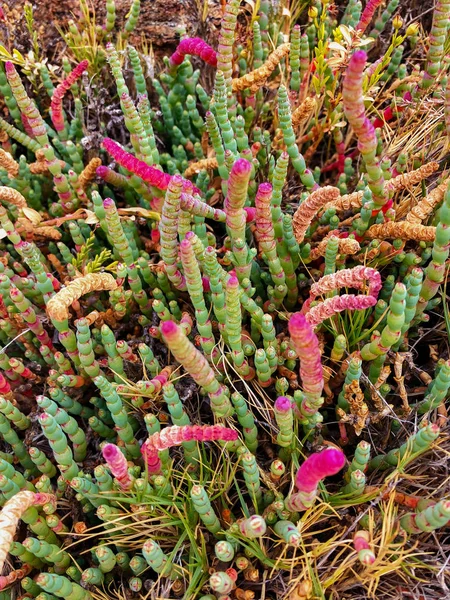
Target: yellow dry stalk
point(426, 207)
point(12, 512)
point(307, 210)
point(12, 196)
point(354, 200)
point(204, 164)
point(401, 231)
point(376, 397)
point(88, 173)
point(257, 78)
point(9, 164)
point(58, 306)
point(303, 112)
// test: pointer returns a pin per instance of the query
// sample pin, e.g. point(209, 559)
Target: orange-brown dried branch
point(257, 78)
point(88, 174)
point(346, 246)
point(204, 164)
point(13, 576)
point(58, 306)
point(426, 207)
point(12, 196)
point(306, 212)
point(8, 163)
point(407, 179)
point(45, 231)
point(401, 231)
point(303, 112)
point(354, 200)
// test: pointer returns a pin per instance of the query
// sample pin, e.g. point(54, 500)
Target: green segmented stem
point(224, 551)
point(110, 15)
point(58, 443)
point(226, 40)
point(221, 112)
point(194, 286)
point(202, 506)
point(42, 462)
point(26, 105)
point(288, 532)
point(418, 443)
point(294, 59)
point(10, 437)
point(233, 326)
point(284, 113)
point(158, 561)
point(356, 485)
point(437, 39)
point(435, 271)
point(168, 228)
point(361, 458)
point(13, 414)
point(19, 550)
point(246, 421)
point(92, 576)
point(438, 391)
point(49, 552)
point(106, 558)
point(119, 415)
point(413, 291)
point(429, 519)
point(68, 424)
point(391, 333)
point(62, 587)
point(251, 477)
point(131, 22)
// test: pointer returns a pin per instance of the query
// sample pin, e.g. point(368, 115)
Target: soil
point(158, 23)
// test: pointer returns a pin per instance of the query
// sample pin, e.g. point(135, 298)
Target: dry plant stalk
point(13, 576)
point(58, 306)
point(400, 182)
point(359, 411)
point(12, 196)
point(306, 212)
point(426, 207)
point(400, 380)
point(88, 174)
point(402, 231)
point(376, 397)
point(257, 78)
point(45, 231)
point(195, 167)
point(12, 512)
point(346, 246)
point(8, 163)
point(303, 112)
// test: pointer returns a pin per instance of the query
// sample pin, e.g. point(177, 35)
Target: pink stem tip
point(318, 466)
point(176, 435)
point(118, 465)
point(197, 47)
point(60, 91)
